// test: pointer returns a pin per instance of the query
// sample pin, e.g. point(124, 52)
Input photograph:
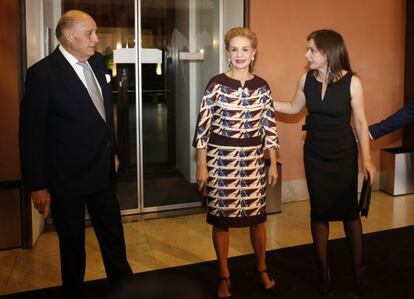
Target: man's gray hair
point(65, 22)
point(69, 20)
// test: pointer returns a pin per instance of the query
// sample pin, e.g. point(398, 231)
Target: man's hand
point(116, 163)
point(41, 201)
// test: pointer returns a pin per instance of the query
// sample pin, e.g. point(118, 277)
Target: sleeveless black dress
point(330, 151)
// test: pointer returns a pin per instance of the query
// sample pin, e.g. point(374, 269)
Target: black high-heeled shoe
point(227, 281)
point(324, 285)
point(274, 289)
point(360, 283)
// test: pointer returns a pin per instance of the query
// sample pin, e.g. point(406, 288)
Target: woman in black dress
point(332, 93)
point(236, 124)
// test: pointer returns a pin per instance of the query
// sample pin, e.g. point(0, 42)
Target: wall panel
point(374, 31)
point(9, 90)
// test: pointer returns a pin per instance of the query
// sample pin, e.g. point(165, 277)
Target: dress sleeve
point(271, 137)
point(202, 131)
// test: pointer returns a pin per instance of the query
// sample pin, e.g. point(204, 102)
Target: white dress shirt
point(78, 68)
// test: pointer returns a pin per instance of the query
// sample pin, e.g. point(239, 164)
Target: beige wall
point(374, 33)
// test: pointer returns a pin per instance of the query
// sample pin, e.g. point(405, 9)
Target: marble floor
point(173, 241)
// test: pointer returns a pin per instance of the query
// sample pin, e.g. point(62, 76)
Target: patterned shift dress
point(235, 125)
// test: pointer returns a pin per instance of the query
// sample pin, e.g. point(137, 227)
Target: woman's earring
point(229, 62)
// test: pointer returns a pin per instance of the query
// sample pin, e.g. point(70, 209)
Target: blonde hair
point(240, 31)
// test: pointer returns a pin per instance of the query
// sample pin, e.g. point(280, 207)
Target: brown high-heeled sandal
point(227, 281)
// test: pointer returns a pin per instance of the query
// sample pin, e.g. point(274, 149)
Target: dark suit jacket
point(399, 119)
point(65, 145)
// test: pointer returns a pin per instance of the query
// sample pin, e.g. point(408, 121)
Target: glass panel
point(116, 31)
point(180, 51)
point(171, 91)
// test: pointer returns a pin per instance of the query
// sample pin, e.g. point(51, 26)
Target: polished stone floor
point(173, 241)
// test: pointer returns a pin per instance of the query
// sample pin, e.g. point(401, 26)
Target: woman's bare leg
point(221, 246)
point(258, 240)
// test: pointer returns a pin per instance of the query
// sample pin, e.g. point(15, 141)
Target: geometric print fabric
point(236, 187)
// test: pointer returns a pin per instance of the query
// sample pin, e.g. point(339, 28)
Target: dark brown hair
point(332, 44)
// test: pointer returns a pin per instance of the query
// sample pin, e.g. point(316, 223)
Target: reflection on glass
point(116, 29)
point(171, 89)
point(170, 95)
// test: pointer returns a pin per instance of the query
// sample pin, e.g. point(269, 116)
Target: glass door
point(180, 51)
point(116, 21)
point(160, 55)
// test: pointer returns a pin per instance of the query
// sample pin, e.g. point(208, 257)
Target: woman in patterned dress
point(332, 93)
point(235, 124)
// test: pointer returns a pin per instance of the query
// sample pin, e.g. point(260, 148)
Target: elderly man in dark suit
point(68, 150)
point(399, 119)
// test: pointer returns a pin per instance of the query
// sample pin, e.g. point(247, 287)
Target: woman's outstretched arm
point(298, 102)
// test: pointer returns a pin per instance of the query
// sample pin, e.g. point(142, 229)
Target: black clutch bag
point(365, 198)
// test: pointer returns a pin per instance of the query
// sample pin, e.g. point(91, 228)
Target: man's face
point(82, 38)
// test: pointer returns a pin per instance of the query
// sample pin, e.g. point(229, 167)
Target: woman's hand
point(202, 177)
point(272, 175)
point(201, 171)
point(369, 170)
